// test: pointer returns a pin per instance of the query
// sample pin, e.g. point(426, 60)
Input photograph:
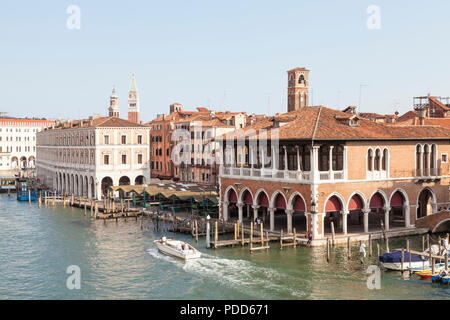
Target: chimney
point(421, 113)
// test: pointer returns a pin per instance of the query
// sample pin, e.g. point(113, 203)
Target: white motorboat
point(393, 259)
point(176, 248)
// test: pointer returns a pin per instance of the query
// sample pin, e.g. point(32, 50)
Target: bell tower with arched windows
point(298, 88)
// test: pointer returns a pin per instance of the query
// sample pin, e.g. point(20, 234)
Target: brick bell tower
point(298, 88)
point(114, 110)
point(133, 101)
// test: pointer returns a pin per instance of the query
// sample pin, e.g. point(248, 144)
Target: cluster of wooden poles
point(239, 236)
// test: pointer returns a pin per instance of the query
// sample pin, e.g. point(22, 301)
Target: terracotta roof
point(436, 103)
point(321, 123)
point(100, 122)
point(409, 115)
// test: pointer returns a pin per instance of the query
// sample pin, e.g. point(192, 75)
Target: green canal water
point(120, 261)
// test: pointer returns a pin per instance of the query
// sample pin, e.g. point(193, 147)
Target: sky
point(229, 55)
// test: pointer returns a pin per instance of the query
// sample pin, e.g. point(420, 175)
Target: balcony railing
point(428, 172)
point(271, 174)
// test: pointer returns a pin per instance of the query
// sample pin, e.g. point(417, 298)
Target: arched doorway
point(262, 202)
point(31, 162)
point(279, 216)
point(233, 212)
point(247, 200)
point(92, 184)
point(425, 203)
point(397, 216)
point(107, 182)
point(355, 219)
point(333, 210)
point(298, 216)
point(139, 180)
point(124, 181)
point(376, 215)
point(23, 163)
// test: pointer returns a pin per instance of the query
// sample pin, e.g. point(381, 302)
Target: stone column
point(289, 213)
point(272, 218)
point(298, 158)
point(420, 161)
point(285, 159)
point(366, 220)
point(240, 210)
point(330, 163)
point(225, 210)
point(314, 176)
point(387, 210)
point(344, 221)
point(255, 212)
point(407, 216)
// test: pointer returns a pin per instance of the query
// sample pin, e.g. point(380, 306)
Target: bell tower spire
point(133, 101)
point(114, 110)
point(298, 88)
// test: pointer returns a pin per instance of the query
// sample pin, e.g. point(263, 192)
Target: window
point(384, 162)
point(377, 160)
point(106, 159)
point(124, 159)
point(139, 159)
point(106, 138)
point(139, 139)
point(124, 139)
point(369, 160)
point(444, 158)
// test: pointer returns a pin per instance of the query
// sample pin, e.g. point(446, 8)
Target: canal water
point(120, 261)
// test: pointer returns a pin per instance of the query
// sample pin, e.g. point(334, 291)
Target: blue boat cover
point(396, 256)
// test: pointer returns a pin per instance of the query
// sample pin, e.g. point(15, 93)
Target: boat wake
point(245, 276)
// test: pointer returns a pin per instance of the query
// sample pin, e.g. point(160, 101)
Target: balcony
point(279, 175)
point(427, 174)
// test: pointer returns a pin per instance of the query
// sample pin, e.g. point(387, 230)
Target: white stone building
point(18, 145)
point(85, 157)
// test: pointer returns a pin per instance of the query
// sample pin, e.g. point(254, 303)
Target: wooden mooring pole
point(196, 230)
point(328, 250)
point(332, 233)
point(251, 237)
point(243, 235)
point(349, 254)
point(216, 234)
point(370, 245)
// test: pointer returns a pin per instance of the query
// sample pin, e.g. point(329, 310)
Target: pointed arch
point(382, 196)
point(228, 195)
point(261, 198)
point(293, 205)
point(350, 203)
point(278, 202)
point(333, 204)
point(403, 193)
point(246, 196)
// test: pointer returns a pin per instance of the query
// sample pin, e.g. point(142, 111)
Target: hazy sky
point(219, 53)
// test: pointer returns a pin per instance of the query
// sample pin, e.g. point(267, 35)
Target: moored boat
point(393, 261)
point(177, 248)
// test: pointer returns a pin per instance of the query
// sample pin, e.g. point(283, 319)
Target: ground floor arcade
point(283, 207)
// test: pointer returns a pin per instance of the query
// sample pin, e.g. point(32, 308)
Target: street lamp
point(313, 207)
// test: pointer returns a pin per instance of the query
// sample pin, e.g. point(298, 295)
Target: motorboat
point(393, 261)
point(177, 248)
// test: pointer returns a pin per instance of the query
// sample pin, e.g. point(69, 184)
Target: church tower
point(298, 88)
point(133, 101)
point(114, 110)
